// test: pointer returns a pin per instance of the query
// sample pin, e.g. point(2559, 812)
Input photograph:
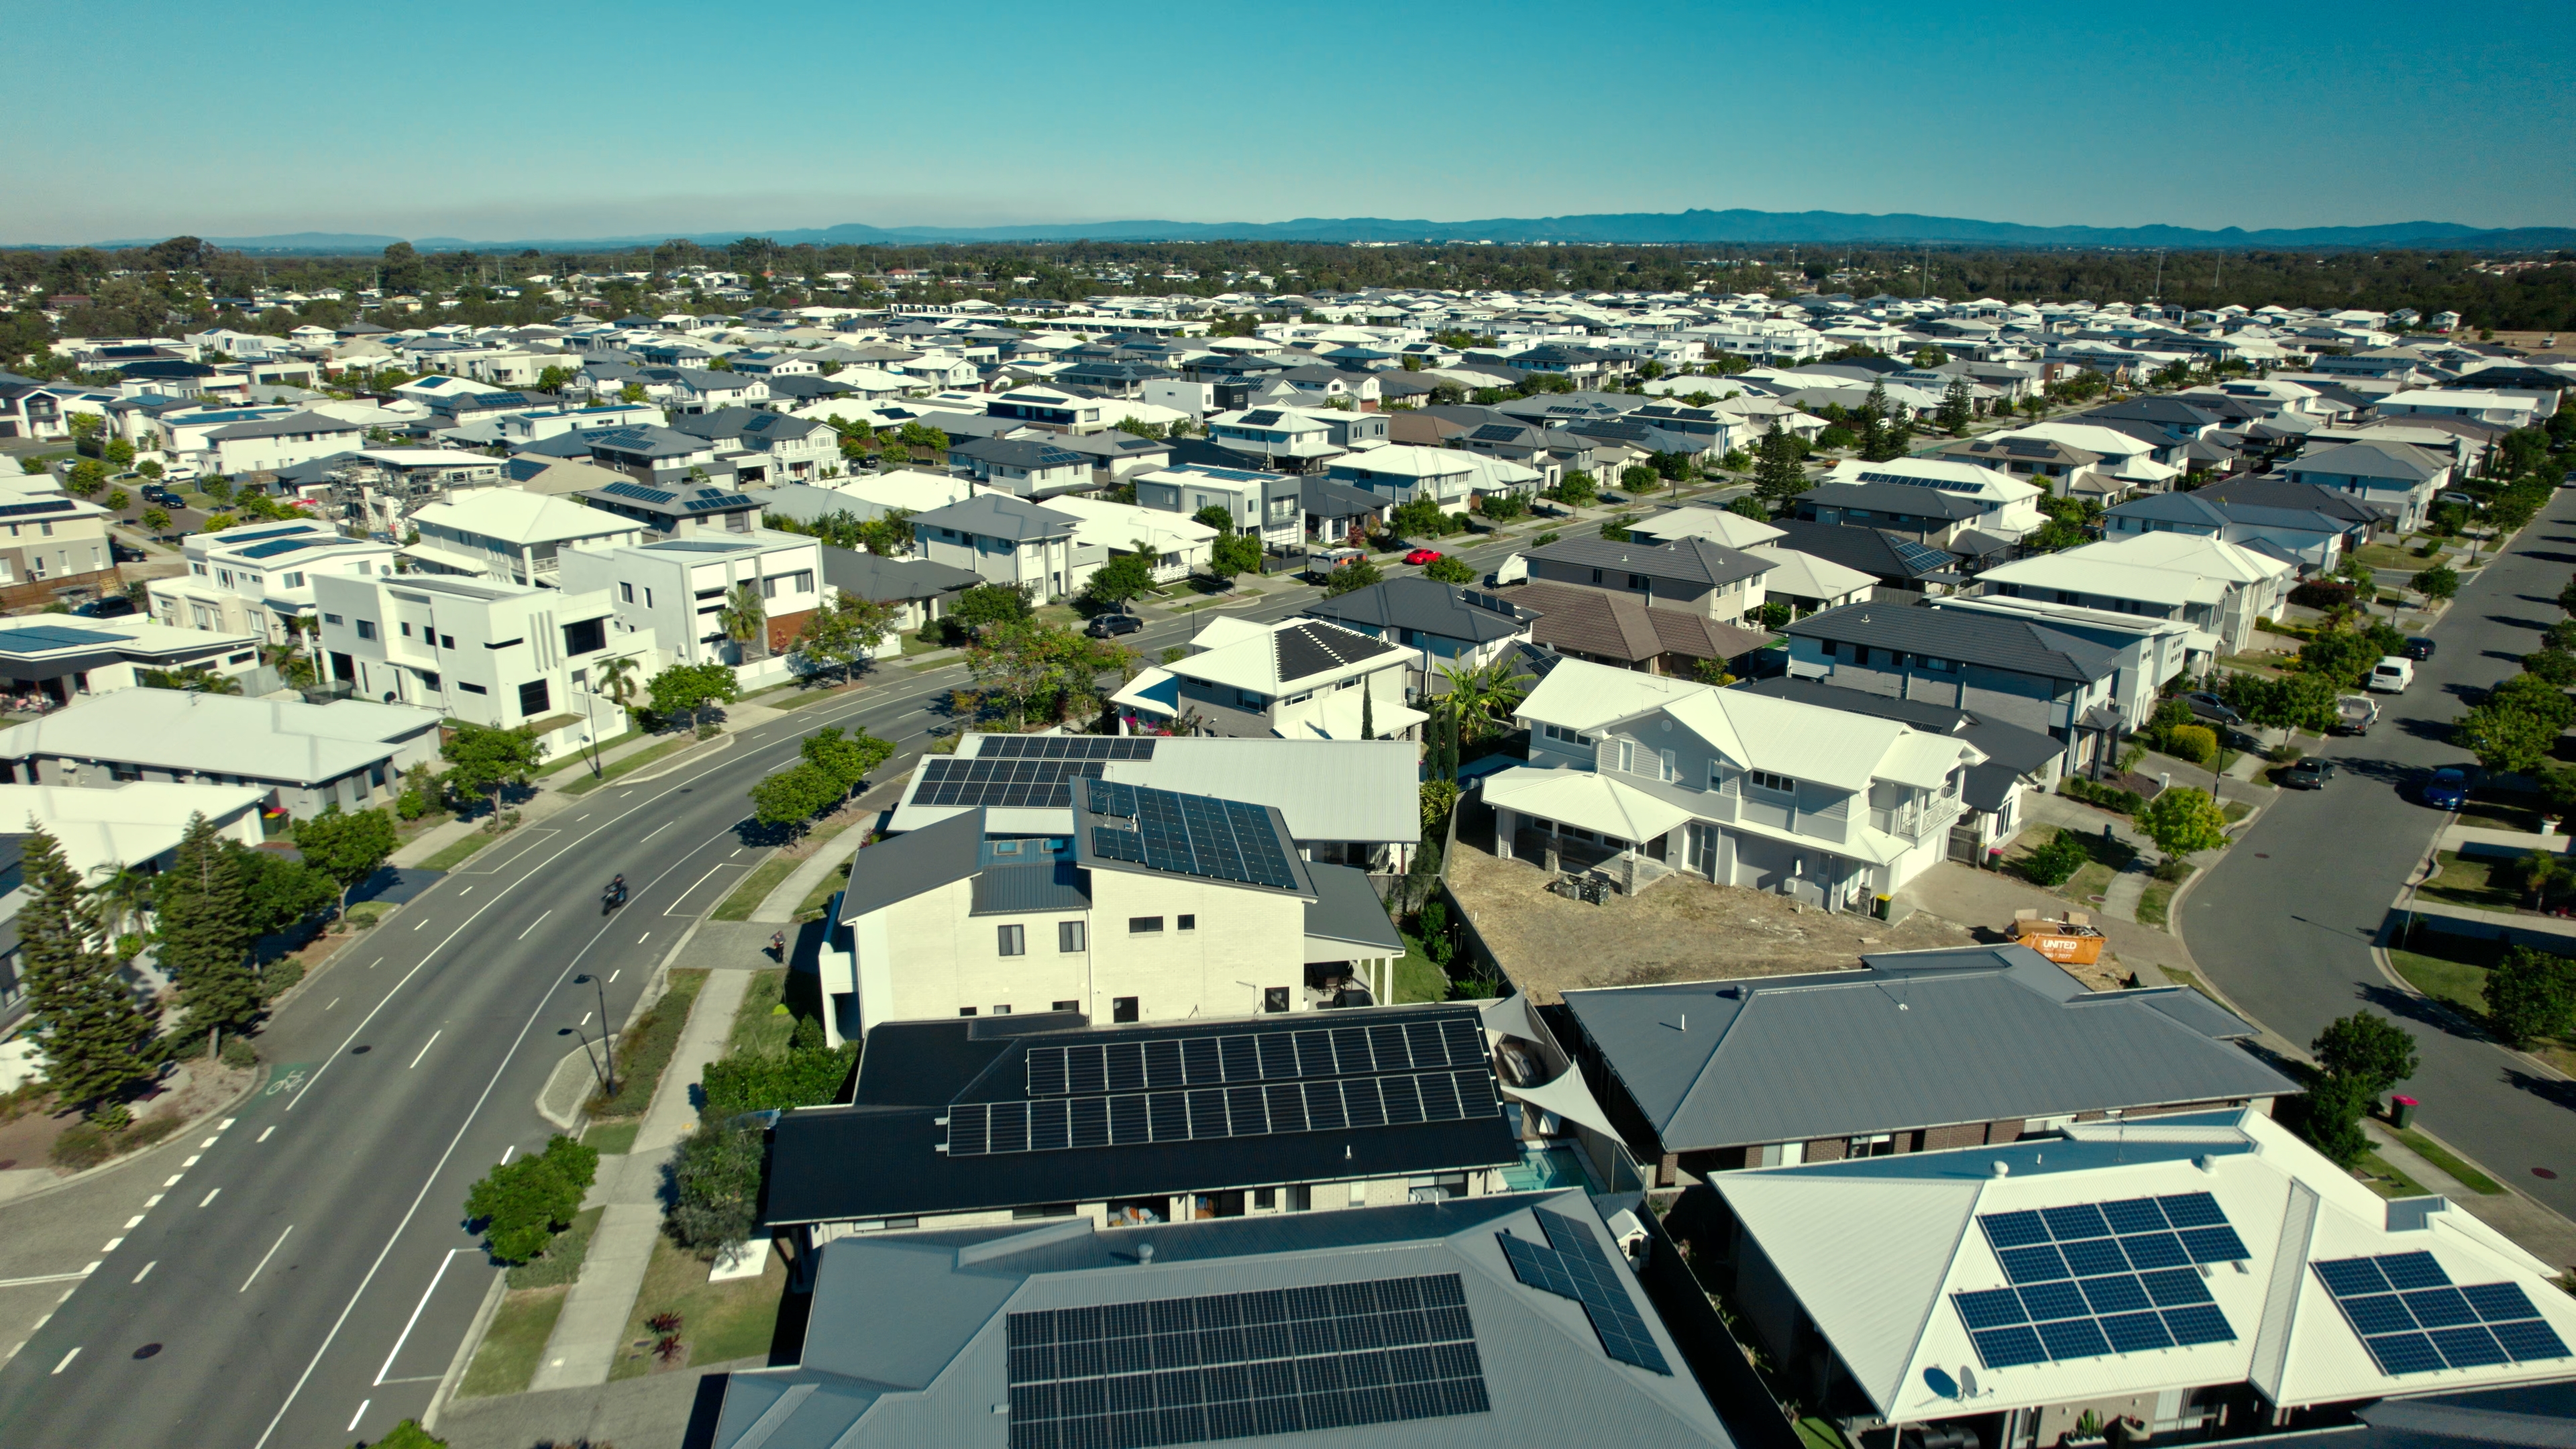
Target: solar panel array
point(285, 545)
point(1065, 747)
point(1920, 557)
point(1189, 835)
point(50, 505)
point(1943, 485)
point(2101, 1278)
point(1241, 1365)
point(638, 490)
point(1572, 1265)
point(2414, 1320)
point(1245, 1084)
point(1033, 784)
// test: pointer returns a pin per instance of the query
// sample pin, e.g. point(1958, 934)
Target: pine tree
point(93, 1031)
point(205, 935)
point(1956, 408)
point(1368, 712)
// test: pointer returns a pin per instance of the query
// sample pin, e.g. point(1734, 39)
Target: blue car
point(2447, 789)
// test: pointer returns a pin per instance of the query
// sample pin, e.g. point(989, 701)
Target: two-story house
point(1263, 503)
point(2217, 587)
point(1295, 678)
point(678, 510)
point(512, 535)
point(267, 444)
point(2397, 479)
point(1691, 575)
point(253, 580)
point(1028, 467)
point(1447, 627)
point(55, 546)
point(2313, 527)
point(1290, 440)
point(1645, 776)
point(1009, 541)
point(2005, 507)
point(678, 589)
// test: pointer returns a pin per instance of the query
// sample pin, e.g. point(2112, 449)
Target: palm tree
point(1483, 695)
point(615, 679)
point(122, 898)
point(745, 620)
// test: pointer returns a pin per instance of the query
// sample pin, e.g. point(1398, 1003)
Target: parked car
point(2418, 649)
point(2446, 788)
point(113, 606)
point(2205, 705)
point(1422, 556)
point(2354, 714)
point(2392, 674)
point(2307, 774)
point(1321, 562)
point(155, 493)
point(1110, 626)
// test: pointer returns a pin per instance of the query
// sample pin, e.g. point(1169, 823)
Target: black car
point(2419, 648)
point(1110, 626)
point(2208, 706)
point(113, 606)
point(155, 493)
point(2308, 774)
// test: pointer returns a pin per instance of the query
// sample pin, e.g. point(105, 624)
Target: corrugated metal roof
point(1963, 634)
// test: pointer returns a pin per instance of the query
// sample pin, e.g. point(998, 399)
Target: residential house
point(2509, 409)
point(2150, 652)
point(1471, 1337)
point(268, 443)
point(917, 590)
point(1688, 575)
point(1010, 541)
point(679, 589)
point(1175, 547)
point(495, 653)
point(1450, 629)
point(42, 657)
point(254, 580)
point(1333, 510)
point(1644, 777)
point(2397, 479)
point(57, 547)
point(2018, 671)
point(1054, 411)
point(1295, 678)
point(1270, 505)
point(1024, 466)
point(2217, 587)
point(1221, 918)
point(302, 758)
point(795, 450)
point(1920, 514)
point(679, 510)
point(512, 535)
point(2006, 507)
point(1290, 440)
point(2311, 527)
point(1900, 565)
point(653, 457)
point(2017, 760)
point(1116, 457)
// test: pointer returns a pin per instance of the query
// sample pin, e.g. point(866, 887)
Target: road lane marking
point(344, 1045)
point(353, 1418)
point(114, 1243)
point(425, 1046)
point(334, 1002)
point(210, 1197)
point(173, 1182)
point(656, 830)
point(263, 1134)
point(191, 1162)
point(647, 936)
point(134, 1222)
point(414, 1320)
point(225, 1125)
point(67, 1360)
point(423, 921)
point(42, 1278)
point(263, 1260)
point(147, 1270)
point(586, 1016)
point(539, 921)
point(209, 1142)
point(153, 1201)
point(372, 965)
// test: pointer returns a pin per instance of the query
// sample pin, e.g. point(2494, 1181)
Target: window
point(1274, 998)
point(965, 1011)
point(1068, 936)
point(1562, 735)
point(535, 697)
point(471, 688)
point(1144, 925)
point(332, 619)
point(295, 581)
point(1667, 763)
point(1637, 581)
point(445, 641)
point(1627, 757)
point(429, 679)
point(587, 636)
point(1765, 780)
point(1066, 1006)
point(1122, 1008)
point(626, 593)
point(366, 629)
point(1596, 576)
point(769, 588)
point(802, 582)
point(1014, 940)
point(1002, 1010)
point(1189, 923)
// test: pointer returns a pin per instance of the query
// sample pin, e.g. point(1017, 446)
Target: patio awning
point(1155, 691)
point(1582, 798)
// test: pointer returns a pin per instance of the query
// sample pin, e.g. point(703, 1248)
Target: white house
point(511, 535)
point(2010, 506)
point(252, 579)
point(1009, 540)
point(1177, 546)
point(678, 589)
point(1294, 678)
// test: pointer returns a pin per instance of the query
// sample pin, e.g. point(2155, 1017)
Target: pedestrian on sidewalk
point(778, 946)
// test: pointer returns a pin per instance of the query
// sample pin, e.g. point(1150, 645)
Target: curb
point(687, 760)
point(465, 1350)
point(86, 1174)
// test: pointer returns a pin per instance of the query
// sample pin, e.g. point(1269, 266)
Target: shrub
point(715, 1182)
point(276, 977)
point(2109, 797)
point(82, 1146)
point(2531, 994)
point(523, 1204)
point(2195, 743)
point(2328, 1116)
point(239, 1054)
point(2061, 857)
point(2326, 594)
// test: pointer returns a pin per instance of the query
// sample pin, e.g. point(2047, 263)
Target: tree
point(521, 1205)
point(2531, 994)
point(2183, 820)
point(87, 477)
point(1956, 408)
point(1027, 663)
point(889, 534)
point(2368, 1049)
point(795, 795)
point(690, 688)
point(1577, 490)
point(156, 519)
point(402, 271)
point(745, 620)
point(2293, 701)
point(1778, 474)
point(842, 633)
point(1357, 574)
point(986, 605)
point(483, 759)
point(1615, 528)
point(2328, 1116)
point(2437, 583)
point(1448, 569)
point(1418, 518)
point(347, 848)
point(205, 935)
point(1749, 506)
point(1233, 554)
point(2507, 740)
point(715, 1183)
point(1216, 516)
point(277, 893)
point(117, 500)
point(1638, 478)
point(1484, 695)
point(93, 1032)
point(614, 680)
point(2567, 597)
point(409, 1435)
point(1124, 577)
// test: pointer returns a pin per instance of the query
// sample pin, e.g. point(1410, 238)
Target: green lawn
point(632, 763)
point(612, 1139)
point(2235, 810)
point(2387, 1181)
point(755, 888)
point(2469, 881)
point(459, 852)
point(560, 1263)
point(1416, 978)
point(2450, 1162)
point(762, 1024)
point(2091, 879)
point(2496, 815)
point(581, 756)
point(644, 1049)
point(718, 1321)
point(811, 908)
point(2156, 906)
point(2453, 970)
point(507, 1359)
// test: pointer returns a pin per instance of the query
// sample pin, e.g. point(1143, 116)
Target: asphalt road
point(304, 1278)
point(2285, 922)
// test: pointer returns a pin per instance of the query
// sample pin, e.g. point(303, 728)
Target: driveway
point(2285, 923)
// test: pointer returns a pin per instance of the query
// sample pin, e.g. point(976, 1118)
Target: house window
point(769, 588)
point(535, 697)
point(1122, 1008)
point(965, 1011)
point(1144, 925)
point(471, 688)
point(331, 619)
point(445, 641)
point(588, 636)
point(626, 593)
point(295, 581)
point(1274, 998)
point(1636, 581)
point(802, 582)
point(1014, 940)
point(1066, 1006)
point(1778, 784)
point(1596, 576)
point(1627, 757)
point(1668, 772)
point(366, 629)
point(1068, 936)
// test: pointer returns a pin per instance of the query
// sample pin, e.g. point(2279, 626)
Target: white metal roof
point(1580, 797)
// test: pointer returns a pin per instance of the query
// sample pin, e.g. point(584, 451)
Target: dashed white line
point(539, 921)
point(67, 1360)
point(209, 1142)
point(469, 890)
point(191, 1162)
point(147, 1270)
point(263, 1260)
point(225, 1125)
point(612, 976)
point(353, 1418)
point(334, 1002)
point(656, 830)
point(425, 1046)
point(210, 1197)
point(114, 1243)
point(263, 1134)
point(423, 921)
point(173, 1182)
point(647, 936)
point(134, 1222)
point(153, 1201)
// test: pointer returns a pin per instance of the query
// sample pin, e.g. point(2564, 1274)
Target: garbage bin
point(2401, 1112)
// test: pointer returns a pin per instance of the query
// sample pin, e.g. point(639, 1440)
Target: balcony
point(1917, 822)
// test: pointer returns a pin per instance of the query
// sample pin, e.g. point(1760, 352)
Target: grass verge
point(507, 1360)
point(755, 888)
point(560, 1263)
point(459, 852)
point(613, 1138)
point(581, 756)
point(2453, 970)
point(2156, 906)
point(631, 764)
point(2387, 1181)
point(718, 1321)
point(2449, 1161)
point(762, 1024)
point(644, 1051)
point(2468, 880)
point(1416, 978)
point(811, 908)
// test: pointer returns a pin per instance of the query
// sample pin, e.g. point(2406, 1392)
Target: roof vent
point(2003, 1169)
point(2205, 1163)
point(1144, 1254)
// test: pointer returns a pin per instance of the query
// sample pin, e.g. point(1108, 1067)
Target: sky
point(515, 121)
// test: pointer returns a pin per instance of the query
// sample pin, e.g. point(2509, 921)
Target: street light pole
point(587, 1052)
point(607, 1039)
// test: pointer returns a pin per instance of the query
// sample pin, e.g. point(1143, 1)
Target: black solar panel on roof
point(1193, 835)
point(638, 490)
point(2093, 1279)
point(1004, 781)
point(1572, 1265)
point(21, 510)
point(1241, 1365)
point(1070, 747)
point(1496, 433)
point(1261, 419)
point(2408, 1314)
point(1919, 557)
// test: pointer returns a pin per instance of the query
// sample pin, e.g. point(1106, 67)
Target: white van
point(2392, 674)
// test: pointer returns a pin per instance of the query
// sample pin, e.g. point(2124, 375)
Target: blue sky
point(505, 121)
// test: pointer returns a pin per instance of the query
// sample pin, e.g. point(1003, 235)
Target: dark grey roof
point(1919, 1039)
point(1993, 640)
point(289, 424)
point(1902, 499)
point(996, 515)
point(1325, 498)
point(1872, 551)
point(1018, 453)
point(1048, 886)
point(1307, 649)
point(906, 865)
point(891, 580)
point(2014, 750)
point(1413, 602)
point(1346, 908)
point(2280, 493)
point(644, 441)
point(2402, 461)
point(1692, 560)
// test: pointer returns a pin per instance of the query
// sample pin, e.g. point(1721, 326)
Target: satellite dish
point(1967, 1382)
point(1941, 1383)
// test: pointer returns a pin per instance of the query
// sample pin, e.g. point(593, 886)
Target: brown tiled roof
point(1622, 627)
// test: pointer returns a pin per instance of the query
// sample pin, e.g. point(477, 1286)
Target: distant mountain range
point(1765, 228)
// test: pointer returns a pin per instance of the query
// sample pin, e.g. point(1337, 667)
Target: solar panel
point(1192, 835)
point(2413, 1319)
point(2093, 1279)
point(34, 638)
point(1036, 783)
point(21, 510)
point(1572, 1265)
point(284, 545)
point(1239, 1365)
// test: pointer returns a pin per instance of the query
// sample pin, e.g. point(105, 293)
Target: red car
point(1422, 556)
